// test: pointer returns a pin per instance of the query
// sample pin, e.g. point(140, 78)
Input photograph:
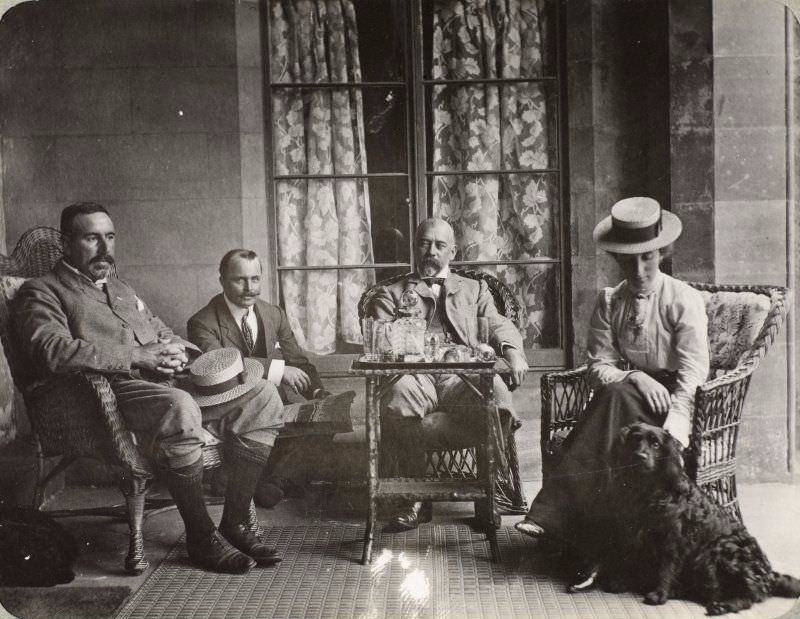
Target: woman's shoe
point(585, 579)
point(529, 528)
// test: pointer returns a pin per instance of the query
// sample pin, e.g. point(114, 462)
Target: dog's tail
point(785, 586)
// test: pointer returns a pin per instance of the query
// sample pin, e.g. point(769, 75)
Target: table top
point(362, 367)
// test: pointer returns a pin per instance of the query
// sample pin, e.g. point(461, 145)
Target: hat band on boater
point(221, 387)
point(621, 234)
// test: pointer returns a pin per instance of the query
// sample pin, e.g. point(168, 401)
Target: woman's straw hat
point(635, 226)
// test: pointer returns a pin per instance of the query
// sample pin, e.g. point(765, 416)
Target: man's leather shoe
point(240, 536)
point(417, 513)
point(215, 554)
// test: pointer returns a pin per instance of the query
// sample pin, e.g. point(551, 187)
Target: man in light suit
point(81, 317)
point(238, 318)
point(451, 306)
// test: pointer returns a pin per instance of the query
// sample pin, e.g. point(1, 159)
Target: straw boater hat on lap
point(636, 226)
point(220, 376)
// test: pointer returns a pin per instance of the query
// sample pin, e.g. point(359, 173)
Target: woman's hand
point(655, 394)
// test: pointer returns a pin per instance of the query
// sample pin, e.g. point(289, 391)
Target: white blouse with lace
point(670, 334)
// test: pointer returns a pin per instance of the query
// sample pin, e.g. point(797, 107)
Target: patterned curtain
point(320, 131)
point(492, 127)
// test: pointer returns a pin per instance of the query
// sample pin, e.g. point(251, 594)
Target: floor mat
point(434, 572)
point(63, 602)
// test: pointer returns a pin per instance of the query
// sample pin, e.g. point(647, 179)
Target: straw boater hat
point(220, 376)
point(636, 226)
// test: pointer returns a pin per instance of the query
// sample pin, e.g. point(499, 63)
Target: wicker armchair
point(742, 324)
point(459, 462)
point(75, 415)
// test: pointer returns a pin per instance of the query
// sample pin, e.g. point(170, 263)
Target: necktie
point(433, 280)
point(248, 334)
point(636, 314)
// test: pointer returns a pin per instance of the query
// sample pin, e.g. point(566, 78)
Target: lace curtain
point(491, 127)
point(320, 131)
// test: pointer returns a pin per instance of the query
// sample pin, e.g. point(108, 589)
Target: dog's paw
point(718, 608)
point(656, 598)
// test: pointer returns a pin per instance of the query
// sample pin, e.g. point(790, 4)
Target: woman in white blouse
point(651, 323)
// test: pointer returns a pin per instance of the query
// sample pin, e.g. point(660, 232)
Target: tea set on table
point(406, 340)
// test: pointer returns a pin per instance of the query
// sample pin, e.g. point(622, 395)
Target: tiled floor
point(771, 512)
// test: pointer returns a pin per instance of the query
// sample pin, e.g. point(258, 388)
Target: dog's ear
point(672, 463)
point(618, 447)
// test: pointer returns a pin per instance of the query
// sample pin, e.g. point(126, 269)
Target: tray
point(362, 364)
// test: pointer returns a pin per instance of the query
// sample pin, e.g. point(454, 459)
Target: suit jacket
point(466, 300)
point(64, 323)
point(214, 327)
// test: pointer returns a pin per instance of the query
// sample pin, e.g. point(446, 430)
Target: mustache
point(431, 264)
point(108, 259)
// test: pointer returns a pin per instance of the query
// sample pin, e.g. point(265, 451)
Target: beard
point(100, 266)
point(430, 266)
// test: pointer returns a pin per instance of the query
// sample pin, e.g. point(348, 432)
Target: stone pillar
point(691, 137)
point(617, 92)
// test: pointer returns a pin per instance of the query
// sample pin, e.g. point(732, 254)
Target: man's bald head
point(435, 246)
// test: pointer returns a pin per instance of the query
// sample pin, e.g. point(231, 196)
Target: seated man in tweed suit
point(451, 306)
point(81, 317)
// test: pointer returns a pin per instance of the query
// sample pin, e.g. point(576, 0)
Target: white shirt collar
point(236, 311)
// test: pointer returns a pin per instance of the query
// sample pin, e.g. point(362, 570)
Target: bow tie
point(433, 280)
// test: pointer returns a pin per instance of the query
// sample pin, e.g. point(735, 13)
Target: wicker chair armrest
point(565, 376)
point(121, 437)
point(565, 395)
point(76, 415)
point(715, 423)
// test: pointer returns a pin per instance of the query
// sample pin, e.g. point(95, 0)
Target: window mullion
point(420, 129)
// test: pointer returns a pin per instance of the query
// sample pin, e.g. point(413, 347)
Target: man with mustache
point(81, 317)
point(238, 318)
point(451, 305)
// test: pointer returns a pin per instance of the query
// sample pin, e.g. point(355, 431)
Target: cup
point(483, 330)
point(366, 334)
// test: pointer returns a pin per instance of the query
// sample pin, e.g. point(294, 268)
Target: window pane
point(500, 216)
point(465, 39)
point(491, 127)
point(327, 222)
point(382, 28)
point(385, 129)
point(536, 287)
point(315, 41)
point(322, 307)
point(339, 130)
point(389, 209)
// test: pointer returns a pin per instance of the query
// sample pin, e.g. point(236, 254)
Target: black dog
point(35, 551)
point(668, 539)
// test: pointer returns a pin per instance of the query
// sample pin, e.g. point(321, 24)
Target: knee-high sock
point(186, 487)
point(245, 461)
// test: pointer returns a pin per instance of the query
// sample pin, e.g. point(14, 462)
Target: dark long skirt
point(567, 504)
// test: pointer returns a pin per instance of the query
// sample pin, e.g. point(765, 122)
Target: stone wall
point(750, 198)
point(151, 108)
